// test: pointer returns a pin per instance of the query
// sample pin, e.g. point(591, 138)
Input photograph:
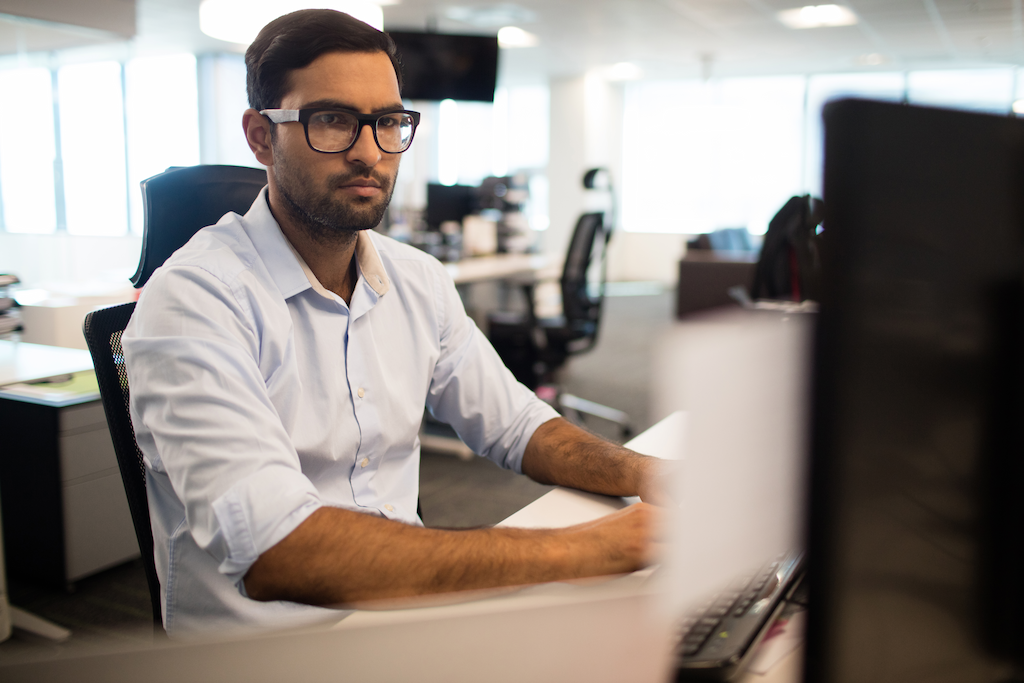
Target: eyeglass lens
point(333, 131)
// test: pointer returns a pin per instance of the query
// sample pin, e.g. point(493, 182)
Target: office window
point(890, 87)
point(988, 90)
point(698, 155)
point(91, 104)
point(480, 139)
point(161, 101)
point(27, 152)
point(528, 129)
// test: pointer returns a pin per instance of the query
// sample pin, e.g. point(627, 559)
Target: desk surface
point(496, 267)
point(595, 631)
point(24, 362)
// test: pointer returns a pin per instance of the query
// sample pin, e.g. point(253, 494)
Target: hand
point(659, 481)
point(624, 541)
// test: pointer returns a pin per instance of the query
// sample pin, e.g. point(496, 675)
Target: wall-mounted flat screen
point(438, 66)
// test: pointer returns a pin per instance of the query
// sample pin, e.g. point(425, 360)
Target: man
point(280, 363)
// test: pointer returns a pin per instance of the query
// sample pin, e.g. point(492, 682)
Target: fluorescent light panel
point(239, 21)
point(513, 36)
point(817, 16)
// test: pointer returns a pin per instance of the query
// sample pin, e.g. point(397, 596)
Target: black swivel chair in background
point(177, 204)
point(534, 348)
point(789, 267)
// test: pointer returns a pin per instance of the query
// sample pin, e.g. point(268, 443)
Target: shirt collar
point(293, 275)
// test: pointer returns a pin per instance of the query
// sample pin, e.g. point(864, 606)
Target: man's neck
point(332, 261)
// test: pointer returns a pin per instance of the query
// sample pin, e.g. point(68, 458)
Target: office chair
point(177, 204)
point(102, 329)
point(180, 201)
point(534, 348)
point(789, 267)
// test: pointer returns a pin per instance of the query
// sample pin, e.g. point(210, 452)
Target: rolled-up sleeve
point(473, 391)
point(203, 415)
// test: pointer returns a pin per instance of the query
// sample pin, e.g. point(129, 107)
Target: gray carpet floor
point(113, 605)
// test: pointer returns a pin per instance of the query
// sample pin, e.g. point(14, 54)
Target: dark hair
point(296, 40)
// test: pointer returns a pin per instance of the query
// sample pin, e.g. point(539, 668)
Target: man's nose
point(365, 151)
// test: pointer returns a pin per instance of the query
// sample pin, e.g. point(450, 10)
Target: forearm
point(562, 453)
point(338, 556)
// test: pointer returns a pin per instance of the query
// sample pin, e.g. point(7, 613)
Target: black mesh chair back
point(103, 330)
point(180, 201)
point(789, 267)
point(583, 276)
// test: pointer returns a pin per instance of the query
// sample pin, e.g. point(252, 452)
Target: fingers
point(636, 531)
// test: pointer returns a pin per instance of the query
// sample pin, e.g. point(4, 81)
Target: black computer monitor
point(438, 66)
point(916, 527)
point(449, 203)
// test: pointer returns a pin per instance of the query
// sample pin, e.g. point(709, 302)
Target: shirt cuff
point(258, 512)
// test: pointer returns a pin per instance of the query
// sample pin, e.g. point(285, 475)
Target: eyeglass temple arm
point(281, 115)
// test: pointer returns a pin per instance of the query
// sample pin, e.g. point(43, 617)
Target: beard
point(328, 218)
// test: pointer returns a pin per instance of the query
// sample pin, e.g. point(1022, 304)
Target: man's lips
point(363, 187)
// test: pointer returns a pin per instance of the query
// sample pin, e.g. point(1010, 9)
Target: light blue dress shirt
point(258, 396)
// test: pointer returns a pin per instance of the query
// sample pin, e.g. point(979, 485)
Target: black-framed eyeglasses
point(335, 130)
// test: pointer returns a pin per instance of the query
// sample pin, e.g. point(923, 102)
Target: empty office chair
point(534, 348)
point(177, 204)
point(790, 267)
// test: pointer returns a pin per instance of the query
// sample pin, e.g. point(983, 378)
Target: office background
point(706, 112)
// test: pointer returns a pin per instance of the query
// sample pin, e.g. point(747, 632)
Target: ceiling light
point(872, 59)
point(817, 16)
point(624, 71)
point(239, 21)
point(513, 36)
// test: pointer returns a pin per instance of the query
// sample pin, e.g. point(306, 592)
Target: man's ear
point(257, 134)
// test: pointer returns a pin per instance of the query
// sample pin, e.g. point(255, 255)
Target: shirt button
point(365, 462)
point(361, 392)
point(389, 507)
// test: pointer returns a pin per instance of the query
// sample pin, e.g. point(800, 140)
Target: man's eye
point(330, 118)
point(389, 121)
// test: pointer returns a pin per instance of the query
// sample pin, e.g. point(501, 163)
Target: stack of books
point(10, 317)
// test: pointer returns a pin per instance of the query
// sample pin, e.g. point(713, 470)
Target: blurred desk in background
point(498, 267)
point(706, 275)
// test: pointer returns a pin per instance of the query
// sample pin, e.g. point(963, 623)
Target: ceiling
point(665, 38)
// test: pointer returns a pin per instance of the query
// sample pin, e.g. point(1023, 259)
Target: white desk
point(496, 267)
point(565, 507)
point(24, 362)
point(594, 631)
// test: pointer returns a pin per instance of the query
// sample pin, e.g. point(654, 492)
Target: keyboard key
point(718, 611)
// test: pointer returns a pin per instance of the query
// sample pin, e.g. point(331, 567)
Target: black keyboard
point(717, 641)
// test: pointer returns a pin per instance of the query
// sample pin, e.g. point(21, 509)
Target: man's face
point(333, 195)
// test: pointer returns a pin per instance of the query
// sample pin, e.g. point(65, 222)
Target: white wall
point(645, 257)
point(586, 132)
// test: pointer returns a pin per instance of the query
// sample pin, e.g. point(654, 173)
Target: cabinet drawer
point(98, 531)
point(81, 416)
point(86, 453)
